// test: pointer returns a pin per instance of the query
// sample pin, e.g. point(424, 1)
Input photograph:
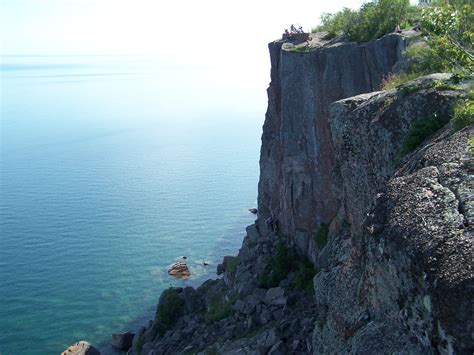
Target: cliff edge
point(358, 247)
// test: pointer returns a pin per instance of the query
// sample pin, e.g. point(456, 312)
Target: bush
point(321, 235)
point(463, 114)
point(470, 142)
point(304, 275)
point(393, 80)
point(373, 20)
point(279, 267)
point(447, 45)
point(450, 26)
point(420, 131)
point(169, 308)
point(300, 48)
point(232, 264)
point(218, 310)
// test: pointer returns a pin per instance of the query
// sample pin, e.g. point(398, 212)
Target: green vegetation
point(139, 343)
point(279, 267)
point(232, 264)
point(388, 102)
point(420, 131)
point(470, 141)
point(285, 262)
point(300, 48)
point(218, 309)
point(463, 114)
point(447, 44)
point(304, 276)
point(450, 29)
point(212, 350)
point(394, 80)
point(170, 308)
point(321, 235)
point(373, 20)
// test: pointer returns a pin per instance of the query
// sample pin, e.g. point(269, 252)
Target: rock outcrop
point(81, 348)
point(357, 248)
point(397, 274)
point(122, 341)
point(179, 269)
point(297, 157)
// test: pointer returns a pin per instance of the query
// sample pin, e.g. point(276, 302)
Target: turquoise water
point(111, 169)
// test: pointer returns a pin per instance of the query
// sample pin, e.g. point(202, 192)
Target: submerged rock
point(81, 348)
point(179, 269)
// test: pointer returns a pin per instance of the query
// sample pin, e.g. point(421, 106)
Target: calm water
point(111, 168)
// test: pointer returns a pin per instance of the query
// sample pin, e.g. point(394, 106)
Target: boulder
point(122, 341)
point(179, 269)
point(253, 210)
point(81, 348)
point(275, 296)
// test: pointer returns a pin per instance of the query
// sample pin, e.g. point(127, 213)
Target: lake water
point(111, 169)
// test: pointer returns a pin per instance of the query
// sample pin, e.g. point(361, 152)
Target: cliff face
point(297, 156)
point(397, 268)
point(393, 274)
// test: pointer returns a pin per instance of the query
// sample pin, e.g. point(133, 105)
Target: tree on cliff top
point(373, 20)
point(450, 30)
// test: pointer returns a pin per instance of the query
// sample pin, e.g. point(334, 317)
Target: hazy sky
point(194, 27)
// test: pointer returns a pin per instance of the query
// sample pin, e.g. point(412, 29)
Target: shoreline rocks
point(122, 341)
point(81, 348)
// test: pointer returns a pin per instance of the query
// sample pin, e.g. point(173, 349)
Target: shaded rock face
point(398, 277)
point(122, 341)
point(297, 157)
point(367, 133)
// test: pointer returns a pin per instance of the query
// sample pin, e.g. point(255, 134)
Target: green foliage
point(373, 20)
point(442, 85)
point(394, 80)
point(279, 267)
point(170, 308)
point(300, 48)
point(420, 131)
point(282, 264)
point(232, 264)
point(463, 114)
point(304, 275)
point(388, 102)
point(470, 142)
point(218, 310)
point(447, 46)
point(450, 28)
point(321, 235)
point(139, 343)
point(212, 350)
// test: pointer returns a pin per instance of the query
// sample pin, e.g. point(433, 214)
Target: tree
point(450, 29)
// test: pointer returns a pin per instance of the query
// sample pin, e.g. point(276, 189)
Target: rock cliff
point(356, 248)
point(297, 156)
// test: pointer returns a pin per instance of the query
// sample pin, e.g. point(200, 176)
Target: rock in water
point(81, 348)
point(122, 341)
point(179, 269)
point(253, 210)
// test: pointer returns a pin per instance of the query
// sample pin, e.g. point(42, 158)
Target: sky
point(198, 28)
point(227, 38)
